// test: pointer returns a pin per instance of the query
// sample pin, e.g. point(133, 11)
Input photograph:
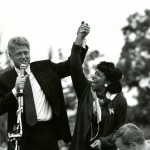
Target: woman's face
point(98, 81)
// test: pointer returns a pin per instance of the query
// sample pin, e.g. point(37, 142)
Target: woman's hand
point(82, 32)
point(96, 144)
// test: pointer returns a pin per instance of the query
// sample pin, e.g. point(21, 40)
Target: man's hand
point(96, 144)
point(82, 32)
point(20, 82)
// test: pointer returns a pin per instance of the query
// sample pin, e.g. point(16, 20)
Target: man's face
point(121, 146)
point(20, 55)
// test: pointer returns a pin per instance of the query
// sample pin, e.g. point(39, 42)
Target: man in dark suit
point(48, 106)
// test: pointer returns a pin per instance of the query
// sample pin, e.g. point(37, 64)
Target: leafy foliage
point(134, 63)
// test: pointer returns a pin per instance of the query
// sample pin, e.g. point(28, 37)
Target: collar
point(28, 70)
point(110, 96)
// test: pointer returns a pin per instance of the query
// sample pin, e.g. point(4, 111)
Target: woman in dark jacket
point(102, 108)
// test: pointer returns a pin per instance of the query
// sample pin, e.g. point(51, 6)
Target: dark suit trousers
point(41, 137)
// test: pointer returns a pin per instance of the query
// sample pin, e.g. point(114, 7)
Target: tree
point(134, 63)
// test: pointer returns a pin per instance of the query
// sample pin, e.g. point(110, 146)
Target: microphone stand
point(17, 132)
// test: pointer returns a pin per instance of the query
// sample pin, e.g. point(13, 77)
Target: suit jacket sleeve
point(78, 78)
point(63, 68)
point(7, 99)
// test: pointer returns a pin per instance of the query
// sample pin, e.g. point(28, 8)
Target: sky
point(54, 23)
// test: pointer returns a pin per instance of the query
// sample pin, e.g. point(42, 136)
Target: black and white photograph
point(74, 75)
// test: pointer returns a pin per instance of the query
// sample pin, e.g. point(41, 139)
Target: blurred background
point(120, 32)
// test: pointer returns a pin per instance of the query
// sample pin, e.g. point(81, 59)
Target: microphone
point(17, 132)
point(22, 68)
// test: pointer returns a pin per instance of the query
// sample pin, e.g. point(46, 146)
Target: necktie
point(30, 111)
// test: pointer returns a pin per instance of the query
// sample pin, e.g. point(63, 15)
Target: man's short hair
point(17, 41)
point(130, 133)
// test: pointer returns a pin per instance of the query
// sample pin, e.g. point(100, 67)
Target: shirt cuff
point(14, 92)
point(84, 44)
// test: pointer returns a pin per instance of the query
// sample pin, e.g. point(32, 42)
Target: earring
point(105, 85)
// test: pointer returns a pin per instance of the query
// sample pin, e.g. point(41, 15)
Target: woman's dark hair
point(113, 75)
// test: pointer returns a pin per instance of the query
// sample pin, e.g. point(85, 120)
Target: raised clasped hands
point(83, 30)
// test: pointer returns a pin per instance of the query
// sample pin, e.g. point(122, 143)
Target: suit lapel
point(90, 105)
point(41, 78)
point(12, 78)
point(89, 111)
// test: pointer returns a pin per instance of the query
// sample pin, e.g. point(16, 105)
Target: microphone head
point(23, 66)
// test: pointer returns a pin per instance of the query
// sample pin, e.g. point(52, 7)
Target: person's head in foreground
point(130, 137)
point(107, 78)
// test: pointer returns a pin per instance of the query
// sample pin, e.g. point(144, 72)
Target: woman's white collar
point(110, 96)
